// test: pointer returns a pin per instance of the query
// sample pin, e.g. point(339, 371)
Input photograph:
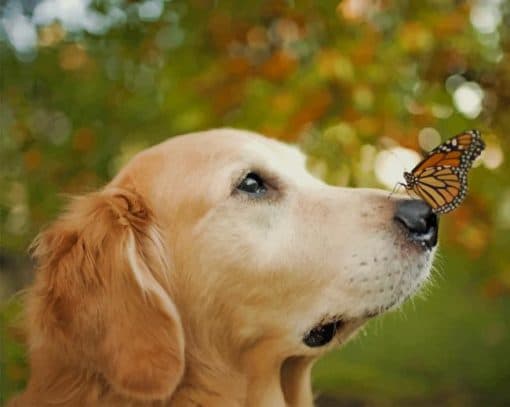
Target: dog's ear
point(102, 297)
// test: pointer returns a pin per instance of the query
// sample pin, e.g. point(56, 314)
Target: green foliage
point(13, 371)
point(444, 349)
point(344, 80)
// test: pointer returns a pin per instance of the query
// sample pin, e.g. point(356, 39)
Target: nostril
point(431, 220)
point(414, 214)
point(417, 217)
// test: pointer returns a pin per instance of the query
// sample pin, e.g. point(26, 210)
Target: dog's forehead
point(221, 152)
point(273, 154)
point(284, 161)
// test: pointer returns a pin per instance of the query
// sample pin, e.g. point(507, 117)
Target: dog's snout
point(419, 220)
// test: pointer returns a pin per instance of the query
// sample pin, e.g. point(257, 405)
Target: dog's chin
point(339, 327)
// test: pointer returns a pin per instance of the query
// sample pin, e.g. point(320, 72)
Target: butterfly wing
point(438, 159)
point(443, 188)
point(441, 178)
point(469, 144)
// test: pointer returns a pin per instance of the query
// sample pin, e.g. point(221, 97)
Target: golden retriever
point(213, 270)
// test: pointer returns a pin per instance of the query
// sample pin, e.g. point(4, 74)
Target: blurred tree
point(85, 86)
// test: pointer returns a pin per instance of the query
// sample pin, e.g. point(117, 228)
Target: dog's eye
point(252, 185)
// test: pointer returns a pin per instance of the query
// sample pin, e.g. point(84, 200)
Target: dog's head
point(221, 246)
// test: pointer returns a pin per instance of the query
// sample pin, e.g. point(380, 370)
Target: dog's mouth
point(324, 332)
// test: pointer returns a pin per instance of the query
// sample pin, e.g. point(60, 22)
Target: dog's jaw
point(403, 278)
point(380, 288)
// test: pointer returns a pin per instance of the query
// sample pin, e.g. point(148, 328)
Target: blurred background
point(364, 87)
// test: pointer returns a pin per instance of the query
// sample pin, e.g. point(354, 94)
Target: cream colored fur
point(171, 288)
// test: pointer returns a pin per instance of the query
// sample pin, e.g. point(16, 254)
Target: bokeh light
point(429, 138)
point(493, 156)
point(468, 99)
point(392, 163)
point(20, 31)
point(485, 15)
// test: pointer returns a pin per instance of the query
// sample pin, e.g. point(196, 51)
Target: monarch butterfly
point(440, 179)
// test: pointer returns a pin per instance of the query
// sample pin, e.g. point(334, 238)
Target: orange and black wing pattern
point(441, 178)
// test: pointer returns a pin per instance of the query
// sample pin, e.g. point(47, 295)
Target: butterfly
point(440, 179)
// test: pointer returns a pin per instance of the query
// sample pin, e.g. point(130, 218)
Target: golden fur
point(170, 288)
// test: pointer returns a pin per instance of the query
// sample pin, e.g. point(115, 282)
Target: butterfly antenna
point(395, 188)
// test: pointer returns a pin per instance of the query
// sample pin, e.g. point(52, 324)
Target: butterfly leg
point(395, 188)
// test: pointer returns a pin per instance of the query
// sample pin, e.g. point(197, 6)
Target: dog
point(213, 270)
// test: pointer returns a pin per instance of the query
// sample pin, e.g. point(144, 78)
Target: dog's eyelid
point(270, 178)
point(271, 181)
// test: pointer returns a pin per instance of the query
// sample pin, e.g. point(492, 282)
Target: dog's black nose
point(419, 220)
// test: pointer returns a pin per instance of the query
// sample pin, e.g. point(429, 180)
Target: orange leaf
point(280, 65)
point(32, 159)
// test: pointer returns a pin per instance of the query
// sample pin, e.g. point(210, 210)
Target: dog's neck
point(210, 381)
point(229, 369)
point(259, 379)
point(262, 376)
